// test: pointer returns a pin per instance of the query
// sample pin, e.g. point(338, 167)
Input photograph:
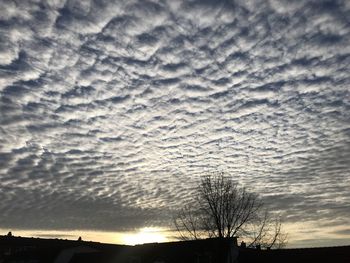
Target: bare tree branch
point(223, 209)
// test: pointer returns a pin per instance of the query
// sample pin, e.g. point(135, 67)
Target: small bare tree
point(265, 231)
point(223, 209)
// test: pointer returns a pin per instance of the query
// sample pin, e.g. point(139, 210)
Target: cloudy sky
point(111, 111)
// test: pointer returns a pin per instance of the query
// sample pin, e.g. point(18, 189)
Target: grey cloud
point(345, 232)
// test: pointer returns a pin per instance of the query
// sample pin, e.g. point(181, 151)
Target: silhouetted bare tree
point(223, 209)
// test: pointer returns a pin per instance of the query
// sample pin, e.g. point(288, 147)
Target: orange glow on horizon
point(301, 234)
point(143, 235)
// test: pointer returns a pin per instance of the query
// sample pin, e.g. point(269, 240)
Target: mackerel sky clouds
point(111, 111)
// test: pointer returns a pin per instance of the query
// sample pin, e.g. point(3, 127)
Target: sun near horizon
point(156, 234)
point(145, 235)
point(138, 236)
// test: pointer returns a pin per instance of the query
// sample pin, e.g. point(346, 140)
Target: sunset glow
point(145, 235)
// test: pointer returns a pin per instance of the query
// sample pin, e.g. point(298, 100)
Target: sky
point(112, 111)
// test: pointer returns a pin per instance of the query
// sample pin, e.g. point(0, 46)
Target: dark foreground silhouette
point(18, 249)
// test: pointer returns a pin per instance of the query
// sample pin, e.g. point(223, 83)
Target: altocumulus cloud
point(111, 111)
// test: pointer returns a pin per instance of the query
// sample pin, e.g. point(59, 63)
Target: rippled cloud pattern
point(111, 111)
